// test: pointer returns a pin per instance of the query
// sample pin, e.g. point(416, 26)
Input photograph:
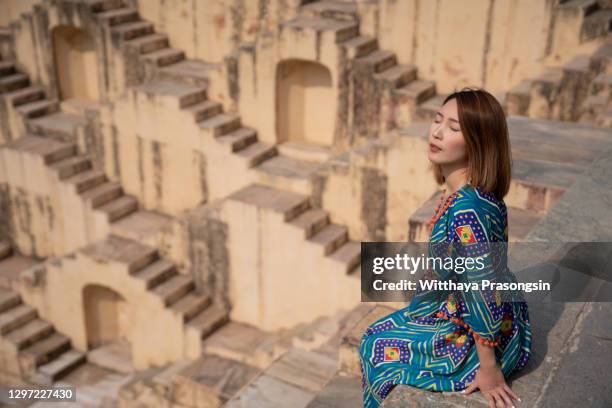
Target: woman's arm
point(471, 228)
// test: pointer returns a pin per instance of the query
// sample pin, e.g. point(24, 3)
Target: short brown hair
point(484, 128)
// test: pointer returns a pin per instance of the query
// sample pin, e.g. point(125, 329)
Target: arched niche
point(107, 317)
point(305, 103)
point(74, 56)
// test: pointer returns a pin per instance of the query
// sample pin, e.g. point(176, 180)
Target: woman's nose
point(436, 132)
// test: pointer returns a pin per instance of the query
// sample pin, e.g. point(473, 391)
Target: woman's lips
point(433, 148)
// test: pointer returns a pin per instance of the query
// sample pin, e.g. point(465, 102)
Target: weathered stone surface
point(339, 392)
point(213, 379)
point(244, 343)
point(269, 392)
point(307, 370)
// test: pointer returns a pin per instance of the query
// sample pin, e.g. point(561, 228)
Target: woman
point(463, 340)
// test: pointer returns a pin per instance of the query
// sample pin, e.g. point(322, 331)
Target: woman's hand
point(490, 380)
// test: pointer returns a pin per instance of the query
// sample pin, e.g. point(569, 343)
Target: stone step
point(187, 95)
point(595, 25)
point(307, 370)
point(103, 194)
point(417, 91)
point(119, 207)
point(342, 30)
point(349, 255)
point(39, 108)
point(595, 104)
point(398, 75)
point(30, 333)
point(118, 16)
point(518, 98)
point(149, 43)
point(46, 349)
point(239, 138)
point(156, 273)
point(164, 56)
point(549, 80)
point(60, 124)
point(257, 152)
point(338, 10)
point(246, 344)
point(287, 203)
point(205, 110)
point(174, 288)
point(210, 381)
point(268, 391)
point(16, 317)
point(8, 300)
point(129, 31)
point(379, 60)
point(340, 392)
point(26, 95)
point(13, 82)
point(190, 71)
point(7, 68)
point(125, 251)
point(60, 366)
point(87, 180)
point(602, 85)
point(72, 165)
point(360, 46)
point(284, 171)
point(98, 6)
point(191, 305)
point(602, 57)
point(311, 221)
point(221, 124)
point(330, 237)
point(426, 111)
point(5, 251)
point(580, 63)
point(209, 320)
point(51, 150)
point(585, 7)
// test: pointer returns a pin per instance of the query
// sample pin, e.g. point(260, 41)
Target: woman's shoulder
point(473, 199)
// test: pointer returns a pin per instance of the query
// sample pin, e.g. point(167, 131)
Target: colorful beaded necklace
point(440, 210)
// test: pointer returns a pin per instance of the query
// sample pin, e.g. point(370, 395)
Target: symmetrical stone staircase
point(76, 170)
point(314, 222)
point(375, 74)
point(20, 97)
point(169, 73)
point(224, 128)
point(175, 291)
point(580, 90)
point(37, 351)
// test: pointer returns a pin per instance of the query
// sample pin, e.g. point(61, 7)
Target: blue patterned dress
point(415, 346)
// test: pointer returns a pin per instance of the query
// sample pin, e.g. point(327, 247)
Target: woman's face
point(446, 143)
